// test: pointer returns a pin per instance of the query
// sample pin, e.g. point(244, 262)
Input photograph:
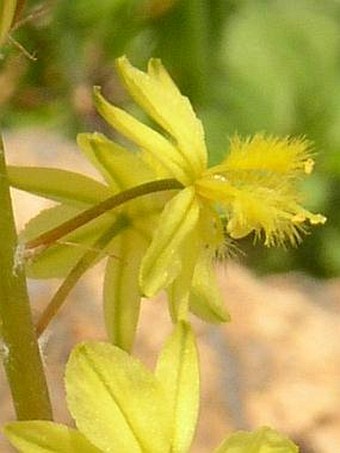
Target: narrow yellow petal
point(76, 189)
point(179, 290)
point(156, 94)
point(120, 167)
point(206, 300)
point(158, 72)
point(121, 290)
point(143, 136)
point(267, 156)
point(162, 261)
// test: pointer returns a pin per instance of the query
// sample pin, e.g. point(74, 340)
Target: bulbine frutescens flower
point(254, 189)
point(162, 241)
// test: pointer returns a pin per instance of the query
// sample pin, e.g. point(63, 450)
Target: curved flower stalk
point(254, 188)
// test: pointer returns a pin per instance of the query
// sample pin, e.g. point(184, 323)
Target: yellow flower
point(252, 189)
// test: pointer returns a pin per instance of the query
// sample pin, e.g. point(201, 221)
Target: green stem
point(86, 216)
point(20, 351)
point(76, 273)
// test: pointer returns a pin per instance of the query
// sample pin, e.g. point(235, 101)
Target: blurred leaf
point(329, 253)
point(282, 59)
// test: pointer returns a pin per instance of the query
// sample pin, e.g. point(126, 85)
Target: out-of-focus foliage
point(247, 66)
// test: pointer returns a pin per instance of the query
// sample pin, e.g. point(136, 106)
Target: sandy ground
point(277, 363)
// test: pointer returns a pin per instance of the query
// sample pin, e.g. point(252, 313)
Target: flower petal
point(75, 190)
point(162, 261)
point(121, 290)
point(206, 300)
point(47, 437)
point(116, 402)
point(250, 205)
point(155, 93)
point(158, 72)
point(146, 138)
point(121, 168)
point(287, 156)
point(274, 213)
point(178, 371)
point(178, 291)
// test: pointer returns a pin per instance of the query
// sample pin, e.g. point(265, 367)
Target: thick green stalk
point(20, 351)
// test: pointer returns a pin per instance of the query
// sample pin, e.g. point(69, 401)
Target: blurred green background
point(247, 66)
